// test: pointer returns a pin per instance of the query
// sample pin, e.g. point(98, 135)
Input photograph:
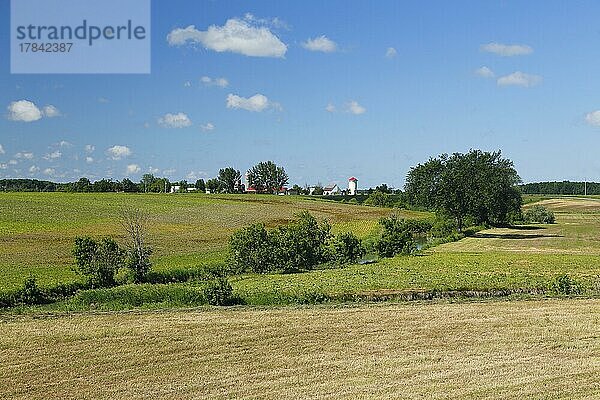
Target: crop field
point(37, 229)
point(577, 232)
point(524, 349)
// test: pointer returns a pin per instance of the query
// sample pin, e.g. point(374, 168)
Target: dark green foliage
point(539, 214)
point(301, 244)
point(219, 292)
point(565, 285)
point(98, 260)
point(397, 237)
point(251, 248)
point(564, 187)
point(213, 185)
point(267, 177)
point(379, 199)
point(347, 248)
point(200, 185)
point(230, 180)
point(30, 293)
point(480, 186)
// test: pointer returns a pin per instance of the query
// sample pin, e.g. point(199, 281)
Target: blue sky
point(342, 105)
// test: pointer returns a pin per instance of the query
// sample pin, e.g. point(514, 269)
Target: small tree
point(230, 179)
point(251, 248)
point(213, 185)
point(135, 224)
point(396, 238)
point(267, 176)
point(98, 260)
point(200, 185)
point(347, 248)
point(539, 214)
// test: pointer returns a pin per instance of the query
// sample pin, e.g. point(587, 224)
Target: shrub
point(251, 248)
point(347, 248)
point(219, 292)
point(98, 260)
point(379, 199)
point(396, 238)
point(565, 285)
point(30, 293)
point(539, 214)
point(301, 244)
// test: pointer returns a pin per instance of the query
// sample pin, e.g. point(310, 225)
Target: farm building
point(331, 190)
point(352, 186)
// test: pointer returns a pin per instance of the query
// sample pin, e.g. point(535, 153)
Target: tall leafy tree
point(267, 177)
point(480, 186)
point(230, 179)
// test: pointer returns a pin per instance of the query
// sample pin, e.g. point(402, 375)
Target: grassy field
point(577, 232)
point(527, 350)
point(37, 229)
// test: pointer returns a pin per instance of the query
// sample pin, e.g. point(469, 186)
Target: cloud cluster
point(242, 36)
point(593, 118)
point(179, 120)
point(133, 169)
point(354, 108)
point(208, 81)
point(507, 50)
point(519, 79)
point(27, 111)
point(207, 127)
point(118, 152)
point(321, 43)
point(485, 72)
point(256, 103)
point(391, 52)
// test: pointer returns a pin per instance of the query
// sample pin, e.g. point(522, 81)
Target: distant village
point(332, 189)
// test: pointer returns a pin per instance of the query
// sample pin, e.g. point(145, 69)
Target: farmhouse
point(331, 190)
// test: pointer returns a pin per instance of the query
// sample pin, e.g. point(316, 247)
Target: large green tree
point(230, 179)
point(267, 177)
point(478, 186)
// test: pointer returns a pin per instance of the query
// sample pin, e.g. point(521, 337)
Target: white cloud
point(33, 169)
point(153, 170)
point(330, 108)
point(256, 103)
point(89, 148)
point(24, 155)
point(133, 169)
point(391, 52)
point(187, 84)
point(169, 172)
point(519, 79)
point(23, 110)
point(237, 36)
point(321, 43)
point(195, 175)
point(2, 150)
point(103, 100)
point(50, 111)
point(593, 118)
point(117, 152)
point(485, 72)
point(507, 50)
point(53, 156)
point(12, 162)
point(3, 166)
point(89, 159)
point(354, 108)
point(64, 143)
point(207, 127)
point(208, 81)
point(49, 171)
point(179, 120)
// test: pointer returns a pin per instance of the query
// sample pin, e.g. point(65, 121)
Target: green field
point(37, 229)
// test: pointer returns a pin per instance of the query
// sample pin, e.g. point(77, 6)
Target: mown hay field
point(37, 229)
point(546, 349)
